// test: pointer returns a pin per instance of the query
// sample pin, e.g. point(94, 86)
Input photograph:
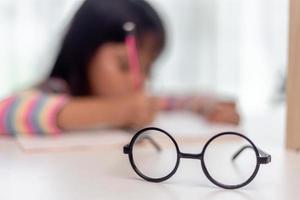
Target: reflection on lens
point(221, 164)
point(154, 154)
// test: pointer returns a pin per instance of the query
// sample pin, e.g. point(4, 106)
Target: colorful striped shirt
point(31, 113)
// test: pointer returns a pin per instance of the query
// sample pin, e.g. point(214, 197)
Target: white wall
point(233, 47)
point(30, 32)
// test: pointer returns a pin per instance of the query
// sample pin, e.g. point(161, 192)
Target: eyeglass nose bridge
point(191, 156)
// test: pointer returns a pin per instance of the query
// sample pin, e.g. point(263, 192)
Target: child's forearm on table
point(84, 113)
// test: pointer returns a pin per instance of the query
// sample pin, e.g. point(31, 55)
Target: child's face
point(109, 71)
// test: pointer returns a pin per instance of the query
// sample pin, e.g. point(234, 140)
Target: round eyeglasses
point(154, 155)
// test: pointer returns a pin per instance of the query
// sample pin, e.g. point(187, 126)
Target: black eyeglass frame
point(261, 157)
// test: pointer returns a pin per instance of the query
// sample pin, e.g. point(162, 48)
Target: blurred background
point(236, 48)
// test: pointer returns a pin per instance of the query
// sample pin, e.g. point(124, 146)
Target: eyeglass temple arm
point(263, 159)
point(157, 147)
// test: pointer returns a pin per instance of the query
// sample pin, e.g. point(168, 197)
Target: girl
point(91, 85)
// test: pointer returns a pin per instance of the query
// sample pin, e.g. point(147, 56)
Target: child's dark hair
point(95, 23)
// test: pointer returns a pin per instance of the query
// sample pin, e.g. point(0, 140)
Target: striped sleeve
point(31, 113)
point(190, 103)
point(175, 103)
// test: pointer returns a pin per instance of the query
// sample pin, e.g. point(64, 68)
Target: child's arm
point(36, 113)
point(132, 111)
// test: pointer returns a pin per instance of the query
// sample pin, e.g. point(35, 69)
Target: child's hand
point(214, 110)
point(222, 112)
point(210, 107)
point(140, 110)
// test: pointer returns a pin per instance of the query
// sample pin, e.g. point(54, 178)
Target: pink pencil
point(134, 63)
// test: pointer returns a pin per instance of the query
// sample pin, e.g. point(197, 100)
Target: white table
point(107, 174)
